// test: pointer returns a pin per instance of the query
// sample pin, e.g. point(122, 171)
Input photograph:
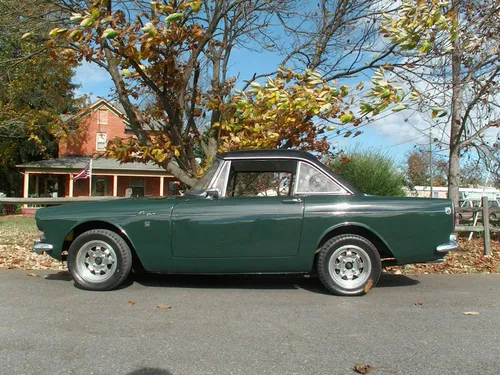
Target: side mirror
point(213, 193)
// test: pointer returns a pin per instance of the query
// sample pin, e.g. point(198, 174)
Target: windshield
point(203, 183)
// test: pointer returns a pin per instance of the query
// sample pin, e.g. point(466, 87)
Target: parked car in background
point(476, 203)
point(271, 212)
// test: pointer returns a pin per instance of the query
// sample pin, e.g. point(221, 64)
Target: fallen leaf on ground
point(472, 313)
point(131, 303)
point(33, 275)
point(366, 369)
point(419, 303)
point(368, 286)
point(164, 307)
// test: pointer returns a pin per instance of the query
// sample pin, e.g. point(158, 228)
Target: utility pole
point(431, 172)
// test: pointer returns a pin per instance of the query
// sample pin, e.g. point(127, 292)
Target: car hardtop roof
point(291, 154)
point(250, 154)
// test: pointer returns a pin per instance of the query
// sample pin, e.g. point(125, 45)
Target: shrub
point(371, 171)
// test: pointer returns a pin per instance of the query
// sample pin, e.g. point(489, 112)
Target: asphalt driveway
point(248, 325)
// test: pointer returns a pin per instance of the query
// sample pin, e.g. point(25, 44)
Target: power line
point(402, 143)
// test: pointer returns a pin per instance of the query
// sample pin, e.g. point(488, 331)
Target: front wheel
point(349, 265)
point(99, 259)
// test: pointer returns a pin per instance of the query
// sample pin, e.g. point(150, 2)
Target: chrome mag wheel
point(96, 261)
point(350, 266)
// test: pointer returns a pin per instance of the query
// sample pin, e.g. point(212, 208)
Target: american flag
point(84, 173)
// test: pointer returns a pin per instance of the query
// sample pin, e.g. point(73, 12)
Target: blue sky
point(391, 134)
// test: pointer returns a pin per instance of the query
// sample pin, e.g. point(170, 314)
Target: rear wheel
point(99, 259)
point(349, 265)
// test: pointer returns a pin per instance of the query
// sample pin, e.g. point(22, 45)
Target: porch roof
point(72, 164)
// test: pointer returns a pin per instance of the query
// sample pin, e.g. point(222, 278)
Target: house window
point(137, 186)
point(101, 141)
point(102, 117)
point(173, 188)
point(100, 187)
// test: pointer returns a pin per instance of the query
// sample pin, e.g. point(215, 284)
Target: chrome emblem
point(447, 210)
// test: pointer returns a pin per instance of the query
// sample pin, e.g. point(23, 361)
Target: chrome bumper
point(41, 247)
point(448, 246)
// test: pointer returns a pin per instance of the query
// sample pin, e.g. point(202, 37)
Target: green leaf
point(400, 107)
point(345, 118)
point(344, 90)
point(109, 33)
point(365, 107)
point(87, 22)
point(426, 47)
point(75, 35)
point(76, 17)
point(56, 31)
point(174, 17)
point(196, 6)
point(386, 93)
point(454, 36)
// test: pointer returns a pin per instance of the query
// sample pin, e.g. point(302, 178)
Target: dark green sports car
point(252, 212)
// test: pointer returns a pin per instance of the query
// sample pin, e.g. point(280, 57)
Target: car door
point(257, 216)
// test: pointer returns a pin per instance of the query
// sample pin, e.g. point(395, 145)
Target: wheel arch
point(85, 226)
point(362, 230)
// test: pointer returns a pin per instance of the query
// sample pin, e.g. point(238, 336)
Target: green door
point(237, 227)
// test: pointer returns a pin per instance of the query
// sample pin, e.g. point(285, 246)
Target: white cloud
point(403, 126)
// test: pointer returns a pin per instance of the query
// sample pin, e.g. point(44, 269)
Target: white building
point(465, 193)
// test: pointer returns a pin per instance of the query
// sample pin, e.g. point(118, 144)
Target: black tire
point(493, 217)
point(99, 259)
point(352, 254)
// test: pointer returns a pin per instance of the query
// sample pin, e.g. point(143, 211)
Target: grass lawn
point(16, 239)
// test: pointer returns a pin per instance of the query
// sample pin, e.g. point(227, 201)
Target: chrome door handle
point(291, 200)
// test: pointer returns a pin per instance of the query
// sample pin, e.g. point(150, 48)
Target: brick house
point(91, 130)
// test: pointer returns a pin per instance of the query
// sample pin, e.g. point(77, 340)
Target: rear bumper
point(41, 247)
point(452, 245)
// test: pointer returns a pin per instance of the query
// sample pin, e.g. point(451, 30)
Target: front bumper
point(452, 245)
point(41, 247)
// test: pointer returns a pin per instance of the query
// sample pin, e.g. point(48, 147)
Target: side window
point(311, 180)
point(270, 178)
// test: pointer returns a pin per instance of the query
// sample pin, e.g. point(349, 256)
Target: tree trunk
point(456, 117)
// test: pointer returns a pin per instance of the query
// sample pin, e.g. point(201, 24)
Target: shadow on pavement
point(267, 282)
point(389, 280)
point(150, 371)
point(60, 276)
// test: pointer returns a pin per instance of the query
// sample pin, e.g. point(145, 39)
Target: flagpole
point(90, 178)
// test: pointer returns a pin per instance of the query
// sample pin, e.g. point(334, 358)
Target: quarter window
point(312, 180)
